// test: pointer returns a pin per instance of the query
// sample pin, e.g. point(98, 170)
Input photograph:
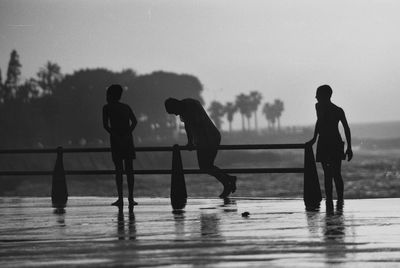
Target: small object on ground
point(245, 214)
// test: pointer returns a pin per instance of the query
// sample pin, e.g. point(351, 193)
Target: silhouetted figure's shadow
point(313, 222)
point(132, 226)
point(332, 227)
point(202, 133)
point(179, 219)
point(131, 232)
point(334, 236)
point(228, 202)
point(121, 225)
point(119, 121)
point(60, 212)
point(330, 146)
point(229, 205)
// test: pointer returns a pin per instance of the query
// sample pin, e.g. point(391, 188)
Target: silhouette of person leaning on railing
point(119, 121)
point(202, 133)
point(330, 146)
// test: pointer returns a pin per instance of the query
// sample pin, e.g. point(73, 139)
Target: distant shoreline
point(372, 130)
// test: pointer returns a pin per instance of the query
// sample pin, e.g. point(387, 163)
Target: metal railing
point(312, 194)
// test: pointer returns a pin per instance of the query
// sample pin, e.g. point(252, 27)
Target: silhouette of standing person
point(119, 121)
point(330, 146)
point(201, 132)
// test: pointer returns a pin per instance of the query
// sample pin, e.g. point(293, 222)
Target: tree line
point(53, 108)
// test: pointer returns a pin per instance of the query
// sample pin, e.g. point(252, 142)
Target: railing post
point(59, 193)
point(312, 192)
point(178, 186)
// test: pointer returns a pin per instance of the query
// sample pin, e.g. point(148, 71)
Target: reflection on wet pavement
point(210, 232)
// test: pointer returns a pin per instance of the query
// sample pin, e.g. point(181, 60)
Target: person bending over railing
point(202, 133)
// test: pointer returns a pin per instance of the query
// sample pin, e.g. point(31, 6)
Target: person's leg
point(118, 180)
point(130, 180)
point(206, 157)
point(327, 167)
point(328, 180)
point(337, 176)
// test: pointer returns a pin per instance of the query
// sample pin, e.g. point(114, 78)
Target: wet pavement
point(210, 233)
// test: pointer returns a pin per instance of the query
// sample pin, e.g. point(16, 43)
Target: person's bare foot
point(226, 192)
point(133, 203)
point(340, 204)
point(118, 203)
point(329, 206)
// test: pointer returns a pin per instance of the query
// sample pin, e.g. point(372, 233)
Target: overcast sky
point(284, 49)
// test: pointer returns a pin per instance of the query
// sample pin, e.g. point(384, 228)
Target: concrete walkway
point(277, 233)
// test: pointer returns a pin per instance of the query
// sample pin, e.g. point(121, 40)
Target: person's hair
point(114, 92)
point(324, 91)
point(171, 105)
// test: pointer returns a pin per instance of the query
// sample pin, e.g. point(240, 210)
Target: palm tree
point(241, 104)
point(216, 110)
point(230, 109)
point(248, 111)
point(255, 100)
point(278, 107)
point(268, 111)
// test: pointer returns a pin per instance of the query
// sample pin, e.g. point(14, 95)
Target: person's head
point(173, 106)
point(114, 93)
point(324, 93)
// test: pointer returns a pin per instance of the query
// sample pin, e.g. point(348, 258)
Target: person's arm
point(347, 133)
point(106, 120)
point(316, 132)
point(133, 119)
point(316, 129)
point(189, 134)
point(187, 116)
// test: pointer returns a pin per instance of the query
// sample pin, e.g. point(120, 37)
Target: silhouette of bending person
point(201, 132)
point(330, 146)
point(119, 121)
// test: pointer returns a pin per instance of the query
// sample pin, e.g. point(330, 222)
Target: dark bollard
point(178, 186)
point(312, 192)
point(59, 193)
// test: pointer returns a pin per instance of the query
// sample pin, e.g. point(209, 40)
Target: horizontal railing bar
point(155, 172)
point(28, 151)
point(157, 148)
point(262, 146)
point(25, 173)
